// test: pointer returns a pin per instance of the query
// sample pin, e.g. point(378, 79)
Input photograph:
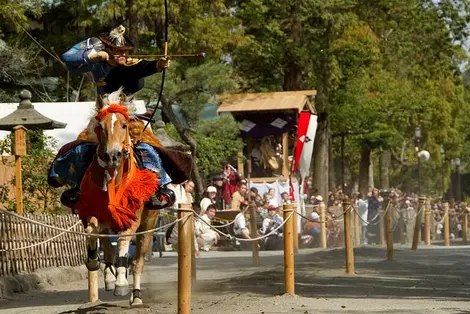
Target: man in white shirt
point(206, 237)
point(239, 226)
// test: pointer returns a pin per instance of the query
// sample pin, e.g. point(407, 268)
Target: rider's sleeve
point(76, 58)
point(139, 70)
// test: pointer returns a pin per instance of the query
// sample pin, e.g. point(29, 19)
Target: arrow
point(201, 55)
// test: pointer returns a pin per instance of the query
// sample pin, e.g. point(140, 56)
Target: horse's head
point(112, 130)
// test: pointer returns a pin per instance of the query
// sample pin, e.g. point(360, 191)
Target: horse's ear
point(99, 102)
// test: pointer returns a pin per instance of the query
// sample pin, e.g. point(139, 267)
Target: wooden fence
point(64, 250)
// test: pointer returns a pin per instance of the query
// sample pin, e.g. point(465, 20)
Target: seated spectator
point(311, 230)
point(273, 221)
point(209, 199)
point(286, 198)
point(206, 237)
point(239, 226)
point(238, 198)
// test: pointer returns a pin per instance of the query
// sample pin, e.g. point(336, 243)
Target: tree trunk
point(371, 173)
point(188, 139)
point(322, 99)
point(332, 182)
point(385, 161)
point(364, 171)
point(132, 30)
point(292, 70)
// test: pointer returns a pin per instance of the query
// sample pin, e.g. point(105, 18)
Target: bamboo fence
point(65, 250)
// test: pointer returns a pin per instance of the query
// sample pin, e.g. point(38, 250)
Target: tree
point(38, 196)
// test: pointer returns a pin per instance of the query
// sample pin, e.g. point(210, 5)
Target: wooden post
point(185, 243)
point(92, 227)
point(253, 225)
point(295, 226)
point(427, 223)
point(285, 155)
point(19, 149)
point(357, 229)
point(92, 286)
point(348, 237)
point(464, 226)
point(323, 243)
point(417, 229)
point(388, 223)
point(446, 225)
point(382, 224)
point(289, 286)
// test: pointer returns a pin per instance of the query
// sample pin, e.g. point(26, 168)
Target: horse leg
point(144, 245)
point(109, 257)
point(122, 263)
point(93, 261)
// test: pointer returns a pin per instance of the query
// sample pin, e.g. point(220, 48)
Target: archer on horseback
point(105, 57)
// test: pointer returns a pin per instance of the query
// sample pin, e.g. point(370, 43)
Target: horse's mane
point(136, 126)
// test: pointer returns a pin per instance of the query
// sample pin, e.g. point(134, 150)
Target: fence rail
point(65, 250)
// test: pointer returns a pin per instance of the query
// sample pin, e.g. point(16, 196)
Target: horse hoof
point(121, 290)
point(135, 301)
point(109, 285)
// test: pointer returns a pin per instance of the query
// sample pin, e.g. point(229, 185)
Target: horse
point(113, 193)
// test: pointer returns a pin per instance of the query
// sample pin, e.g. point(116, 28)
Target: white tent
point(75, 114)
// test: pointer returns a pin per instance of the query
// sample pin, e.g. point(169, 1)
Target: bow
point(160, 94)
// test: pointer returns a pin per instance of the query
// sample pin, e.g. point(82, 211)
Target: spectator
point(373, 228)
point(285, 198)
point(206, 237)
point(311, 229)
point(238, 198)
point(219, 185)
point(209, 199)
point(239, 226)
point(232, 180)
point(273, 221)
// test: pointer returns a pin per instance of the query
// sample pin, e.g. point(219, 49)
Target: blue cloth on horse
point(152, 161)
point(71, 163)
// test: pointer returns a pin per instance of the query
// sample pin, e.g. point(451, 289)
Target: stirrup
point(163, 198)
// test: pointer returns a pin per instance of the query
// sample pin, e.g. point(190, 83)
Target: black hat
point(116, 39)
point(219, 176)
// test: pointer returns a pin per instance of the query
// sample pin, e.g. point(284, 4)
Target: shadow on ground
point(430, 274)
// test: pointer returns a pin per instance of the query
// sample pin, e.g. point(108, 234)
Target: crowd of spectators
point(228, 191)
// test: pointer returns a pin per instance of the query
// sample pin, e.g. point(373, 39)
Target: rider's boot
point(163, 198)
point(70, 197)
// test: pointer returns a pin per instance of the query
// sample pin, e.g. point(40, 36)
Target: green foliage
point(38, 196)
point(218, 143)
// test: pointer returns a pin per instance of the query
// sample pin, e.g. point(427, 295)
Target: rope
point(85, 233)
point(371, 222)
point(224, 225)
point(338, 218)
point(231, 237)
point(40, 243)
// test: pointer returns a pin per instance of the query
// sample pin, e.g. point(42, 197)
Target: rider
point(105, 56)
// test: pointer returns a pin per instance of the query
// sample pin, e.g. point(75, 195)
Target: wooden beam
point(285, 155)
point(240, 162)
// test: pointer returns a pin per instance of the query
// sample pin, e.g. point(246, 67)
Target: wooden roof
point(292, 100)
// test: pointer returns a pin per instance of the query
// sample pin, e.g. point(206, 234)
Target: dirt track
point(430, 280)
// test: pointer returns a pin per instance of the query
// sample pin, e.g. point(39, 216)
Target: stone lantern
point(23, 118)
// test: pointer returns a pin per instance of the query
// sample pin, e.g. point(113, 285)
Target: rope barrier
point(85, 233)
point(231, 237)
